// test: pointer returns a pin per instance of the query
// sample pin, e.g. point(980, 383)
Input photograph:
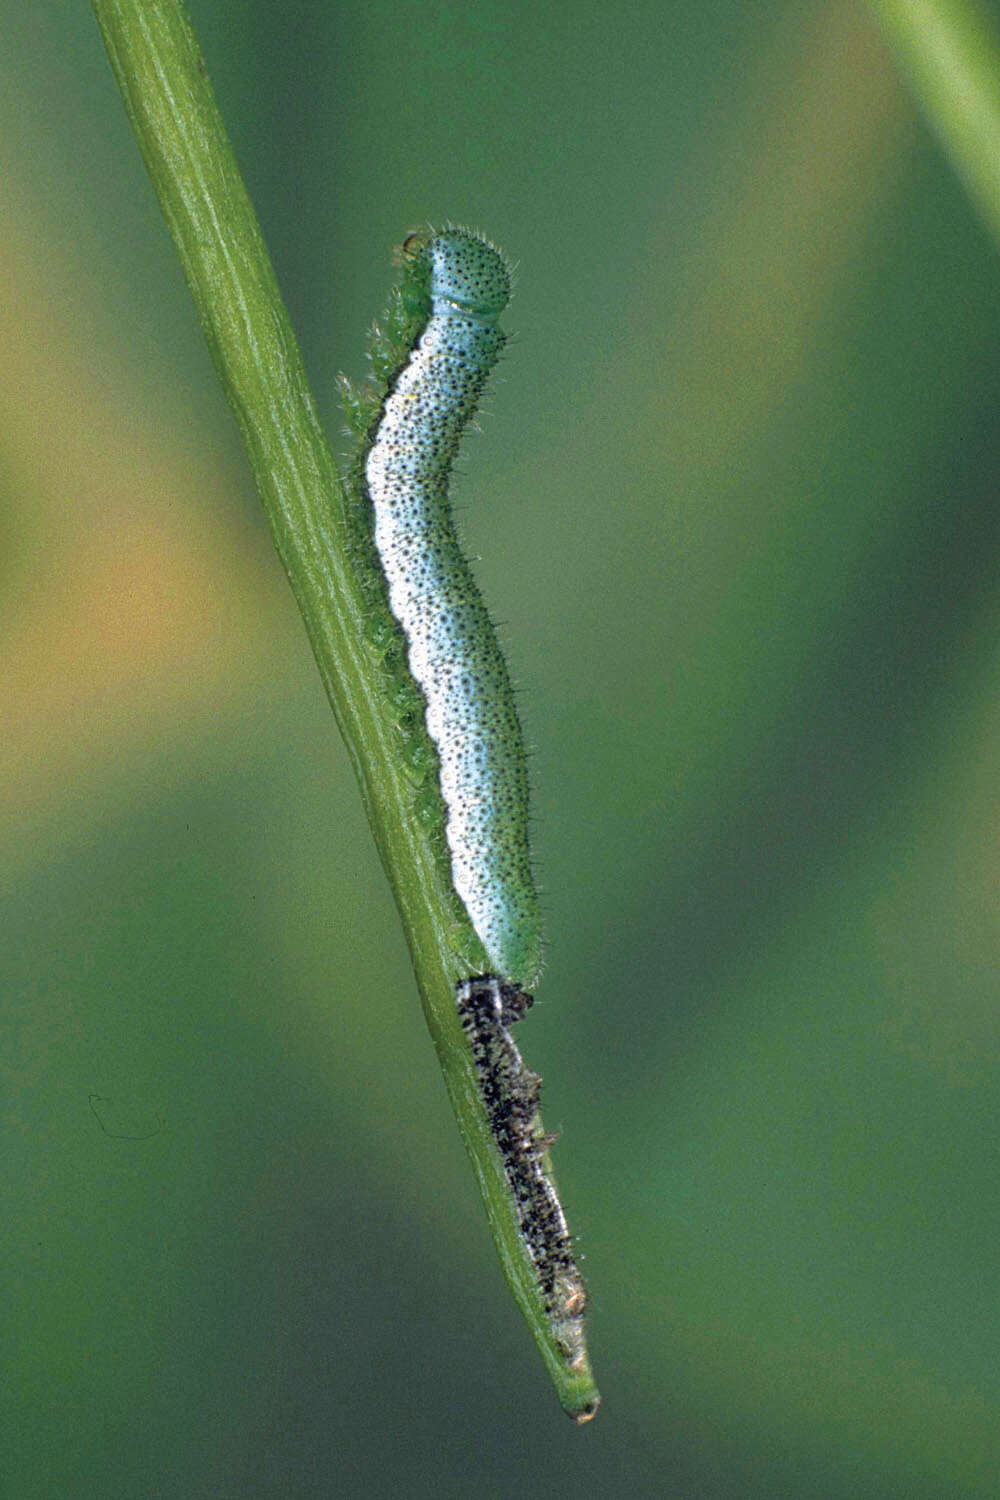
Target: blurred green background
point(736, 501)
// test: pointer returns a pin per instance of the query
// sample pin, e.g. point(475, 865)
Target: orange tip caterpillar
point(452, 647)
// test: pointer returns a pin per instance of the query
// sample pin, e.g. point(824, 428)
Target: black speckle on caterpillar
point(511, 1094)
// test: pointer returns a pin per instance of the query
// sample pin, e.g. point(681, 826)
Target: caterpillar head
point(467, 274)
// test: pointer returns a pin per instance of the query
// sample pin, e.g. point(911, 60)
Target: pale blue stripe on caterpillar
point(452, 646)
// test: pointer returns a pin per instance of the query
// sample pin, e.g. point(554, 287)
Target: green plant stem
point(951, 52)
point(172, 109)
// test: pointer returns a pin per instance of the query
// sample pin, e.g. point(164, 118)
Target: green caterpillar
point(452, 649)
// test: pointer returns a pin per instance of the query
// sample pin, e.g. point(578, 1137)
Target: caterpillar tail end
point(583, 1408)
point(489, 1007)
